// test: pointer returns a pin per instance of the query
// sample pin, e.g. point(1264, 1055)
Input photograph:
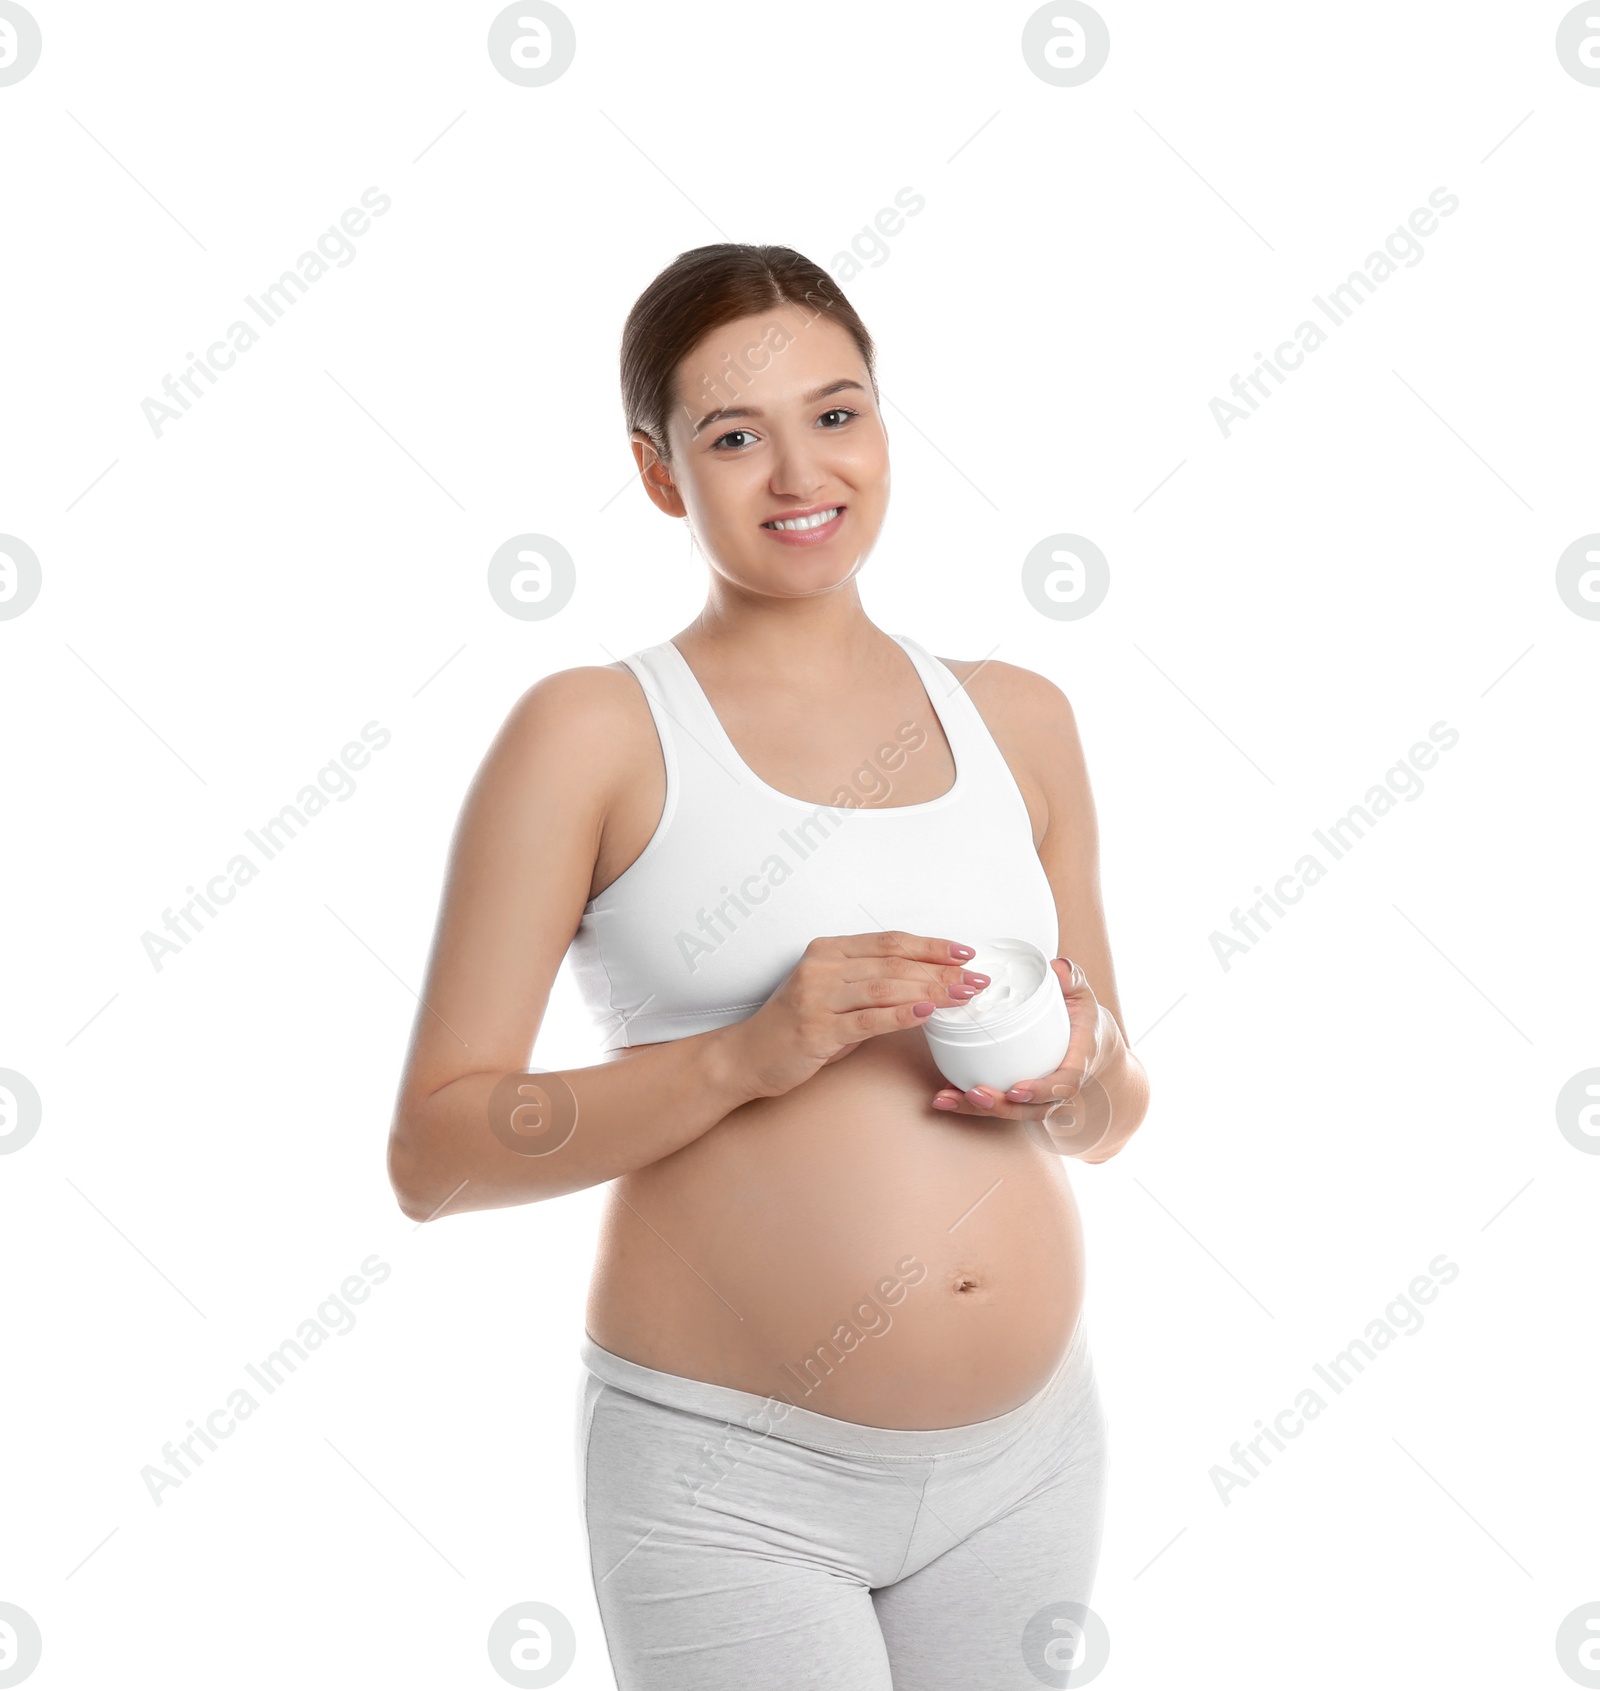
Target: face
point(775, 419)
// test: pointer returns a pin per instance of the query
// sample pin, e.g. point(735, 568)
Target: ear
point(657, 476)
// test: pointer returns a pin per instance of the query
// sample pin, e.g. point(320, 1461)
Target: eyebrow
point(755, 411)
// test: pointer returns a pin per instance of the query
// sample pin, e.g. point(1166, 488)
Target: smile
point(795, 525)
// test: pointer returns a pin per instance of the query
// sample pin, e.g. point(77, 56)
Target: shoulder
point(581, 705)
point(583, 728)
point(1010, 697)
point(1030, 719)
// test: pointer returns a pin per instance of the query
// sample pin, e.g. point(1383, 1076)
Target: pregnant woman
point(837, 1425)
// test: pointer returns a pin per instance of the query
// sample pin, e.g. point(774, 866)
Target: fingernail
point(1022, 1094)
point(979, 1096)
point(975, 977)
point(923, 1009)
point(962, 993)
point(944, 1103)
point(962, 952)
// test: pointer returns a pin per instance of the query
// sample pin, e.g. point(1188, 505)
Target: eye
point(843, 412)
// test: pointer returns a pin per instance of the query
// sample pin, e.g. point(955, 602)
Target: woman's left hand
point(1072, 1110)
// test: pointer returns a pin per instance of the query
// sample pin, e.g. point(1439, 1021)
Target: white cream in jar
point(1014, 977)
point(1016, 1028)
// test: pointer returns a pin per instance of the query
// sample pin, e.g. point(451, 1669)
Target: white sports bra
point(738, 878)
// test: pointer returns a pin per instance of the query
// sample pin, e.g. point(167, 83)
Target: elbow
point(404, 1180)
point(410, 1203)
point(412, 1207)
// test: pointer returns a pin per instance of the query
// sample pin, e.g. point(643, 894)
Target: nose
point(798, 471)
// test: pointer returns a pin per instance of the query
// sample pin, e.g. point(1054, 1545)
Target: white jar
point(1016, 1028)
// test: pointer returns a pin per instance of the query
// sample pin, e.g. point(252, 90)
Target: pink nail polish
point(962, 952)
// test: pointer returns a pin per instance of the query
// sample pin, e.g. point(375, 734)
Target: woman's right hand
point(844, 990)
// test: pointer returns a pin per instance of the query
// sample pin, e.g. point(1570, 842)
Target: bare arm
point(1033, 722)
point(1070, 852)
point(520, 872)
point(521, 869)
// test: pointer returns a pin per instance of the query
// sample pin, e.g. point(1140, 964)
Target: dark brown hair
point(700, 291)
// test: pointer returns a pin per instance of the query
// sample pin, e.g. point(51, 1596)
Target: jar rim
point(955, 1025)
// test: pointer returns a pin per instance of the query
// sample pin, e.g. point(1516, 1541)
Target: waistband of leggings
point(775, 1416)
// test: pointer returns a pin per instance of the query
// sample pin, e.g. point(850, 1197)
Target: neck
point(825, 634)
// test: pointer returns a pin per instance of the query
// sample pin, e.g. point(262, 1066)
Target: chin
point(804, 573)
point(808, 576)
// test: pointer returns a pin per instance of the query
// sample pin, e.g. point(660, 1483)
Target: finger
point(909, 968)
point(1075, 1127)
point(985, 1101)
point(1064, 1129)
point(859, 1024)
point(896, 942)
point(879, 989)
point(1064, 1083)
point(1083, 1012)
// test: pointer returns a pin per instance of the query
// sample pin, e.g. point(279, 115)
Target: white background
point(226, 604)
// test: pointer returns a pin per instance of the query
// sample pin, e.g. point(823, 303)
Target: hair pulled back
point(700, 291)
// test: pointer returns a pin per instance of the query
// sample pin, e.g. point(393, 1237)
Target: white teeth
point(807, 522)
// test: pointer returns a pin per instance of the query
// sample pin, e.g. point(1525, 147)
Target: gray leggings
point(736, 1547)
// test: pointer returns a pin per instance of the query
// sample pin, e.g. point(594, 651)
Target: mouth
point(806, 528)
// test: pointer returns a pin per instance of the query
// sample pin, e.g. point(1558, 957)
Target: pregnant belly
point(850, 1249)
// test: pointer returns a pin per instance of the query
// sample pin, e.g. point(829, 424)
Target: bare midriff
point(848, 1248)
